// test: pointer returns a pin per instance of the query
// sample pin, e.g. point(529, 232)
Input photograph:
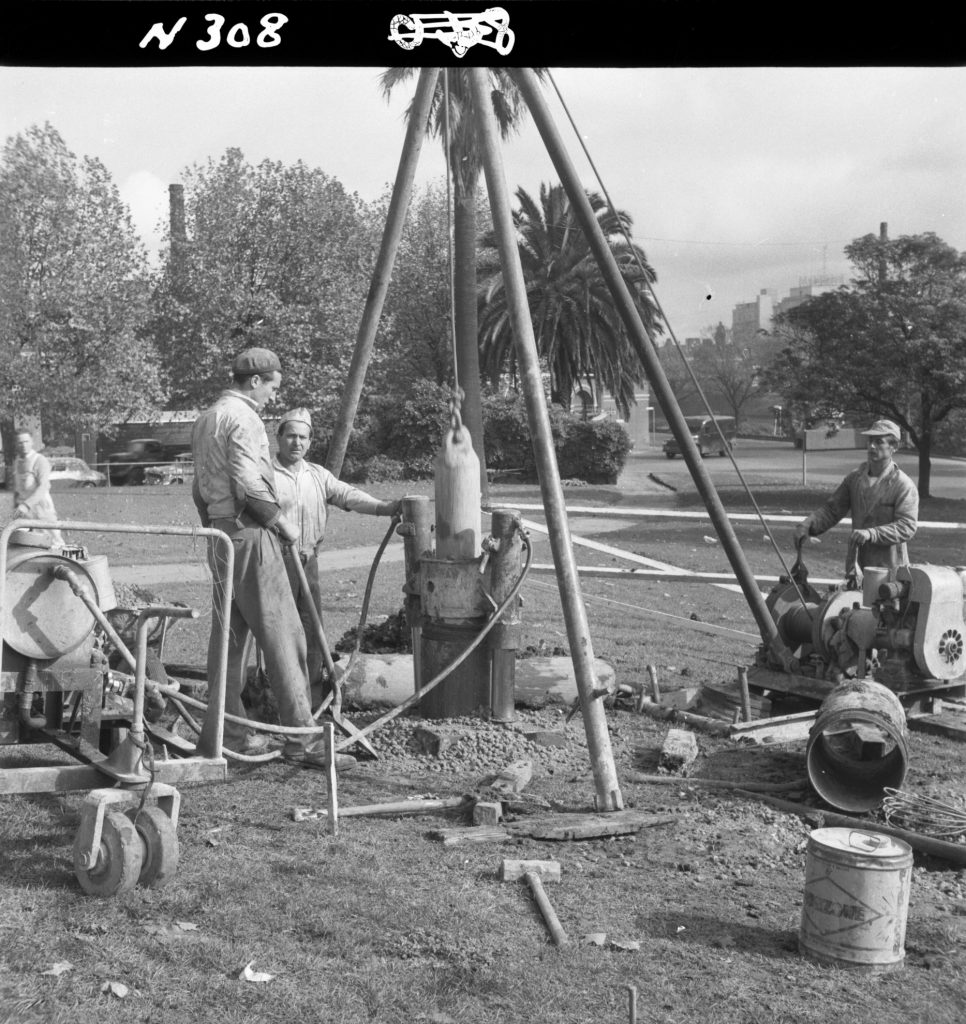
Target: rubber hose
point(437, 679)
point(298, 730)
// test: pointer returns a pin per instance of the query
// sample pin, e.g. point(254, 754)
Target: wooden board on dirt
point(951, 726)
point(556, 827)
point(588, 826)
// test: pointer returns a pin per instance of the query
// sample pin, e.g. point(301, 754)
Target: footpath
point(197, 572)
point(339, 559)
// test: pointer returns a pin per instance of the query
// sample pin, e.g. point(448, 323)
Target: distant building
point(748, 319)
point(808, 290)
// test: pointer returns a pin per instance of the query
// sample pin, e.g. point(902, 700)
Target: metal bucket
point(42, 617)
point(856, 899)
point(857, 746)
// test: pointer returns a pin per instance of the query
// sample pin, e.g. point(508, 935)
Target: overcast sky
point(737, 179)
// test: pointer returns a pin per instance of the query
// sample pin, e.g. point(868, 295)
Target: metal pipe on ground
point(608, 795)
point(644, 346)
point(955, 853)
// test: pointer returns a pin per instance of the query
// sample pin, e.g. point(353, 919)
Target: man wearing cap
point(305, 490)
point(234, 491)
point(883, 503)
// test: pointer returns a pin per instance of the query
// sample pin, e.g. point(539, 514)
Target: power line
point(749, 245)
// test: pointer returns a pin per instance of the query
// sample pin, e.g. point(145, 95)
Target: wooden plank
point(780, 729)
point(789, 682)
point(68, 778)
point(556, 827)
point(936, 727)
point(472, 834)
point(562, 827)
point(397, 808)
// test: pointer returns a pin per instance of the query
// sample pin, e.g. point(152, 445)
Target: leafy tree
point(732, 376)
point(681, 382)
point(579, 332)
point(891, 343)
point(465, 160)
point(277, 256)
point(417, 335)
point(73, 292)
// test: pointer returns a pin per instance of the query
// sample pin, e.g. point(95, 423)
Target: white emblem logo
point(457, 31)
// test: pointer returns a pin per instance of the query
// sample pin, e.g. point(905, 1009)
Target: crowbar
point(336, 703)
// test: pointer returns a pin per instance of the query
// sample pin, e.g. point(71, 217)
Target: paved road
point(759, 462)
point(777, 461)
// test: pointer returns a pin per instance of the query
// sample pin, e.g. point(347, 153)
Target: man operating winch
point(234, 491)
point(305, 490)
point(882, 501)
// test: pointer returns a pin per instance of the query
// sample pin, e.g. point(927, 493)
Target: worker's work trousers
point(316, 661)
point(263, 606)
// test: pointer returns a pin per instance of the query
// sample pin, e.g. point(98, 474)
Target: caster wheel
point(119, 859)
point(160, 845)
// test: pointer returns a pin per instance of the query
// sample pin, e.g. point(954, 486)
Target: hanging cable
point(687, 365)
point(449, 228)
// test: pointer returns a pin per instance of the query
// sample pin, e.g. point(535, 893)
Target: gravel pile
point(476, 745)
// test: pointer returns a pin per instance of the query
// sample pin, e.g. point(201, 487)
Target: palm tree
point(465, 161)
point(578, 330)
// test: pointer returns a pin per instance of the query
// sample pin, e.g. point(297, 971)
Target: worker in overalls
point(882, 501)
point(234, 491)
point(31, 489)
point(305, 490)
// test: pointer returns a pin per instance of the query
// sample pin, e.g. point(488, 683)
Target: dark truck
point(128, 465)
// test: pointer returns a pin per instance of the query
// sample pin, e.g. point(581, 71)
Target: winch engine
point(905, 628)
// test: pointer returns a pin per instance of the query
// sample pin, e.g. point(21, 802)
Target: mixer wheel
point(119, 858)
point(160, 840)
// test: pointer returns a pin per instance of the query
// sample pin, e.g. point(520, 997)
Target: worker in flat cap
point(234, 491)
point(882, 501)
point(305, 490)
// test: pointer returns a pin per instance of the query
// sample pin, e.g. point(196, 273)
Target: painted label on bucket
point(856, 898)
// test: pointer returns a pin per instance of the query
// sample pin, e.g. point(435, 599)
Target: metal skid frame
point(206, 764)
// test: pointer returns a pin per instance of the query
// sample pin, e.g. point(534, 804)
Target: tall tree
point(465, 162)
point(73, 292)
point(734, 375)
point(579, 333)
point(891, 343)
point(275, 255)
point(417, 333)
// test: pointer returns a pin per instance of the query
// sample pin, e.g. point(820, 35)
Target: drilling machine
point(905, 628)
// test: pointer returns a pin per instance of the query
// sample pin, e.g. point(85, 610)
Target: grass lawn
point(385, 923)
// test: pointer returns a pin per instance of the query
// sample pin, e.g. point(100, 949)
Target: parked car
point(705, 436)
point(129, 466)
point(180, 471)
point(71, 472)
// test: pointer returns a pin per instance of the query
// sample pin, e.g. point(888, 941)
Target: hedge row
point(399, 440)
